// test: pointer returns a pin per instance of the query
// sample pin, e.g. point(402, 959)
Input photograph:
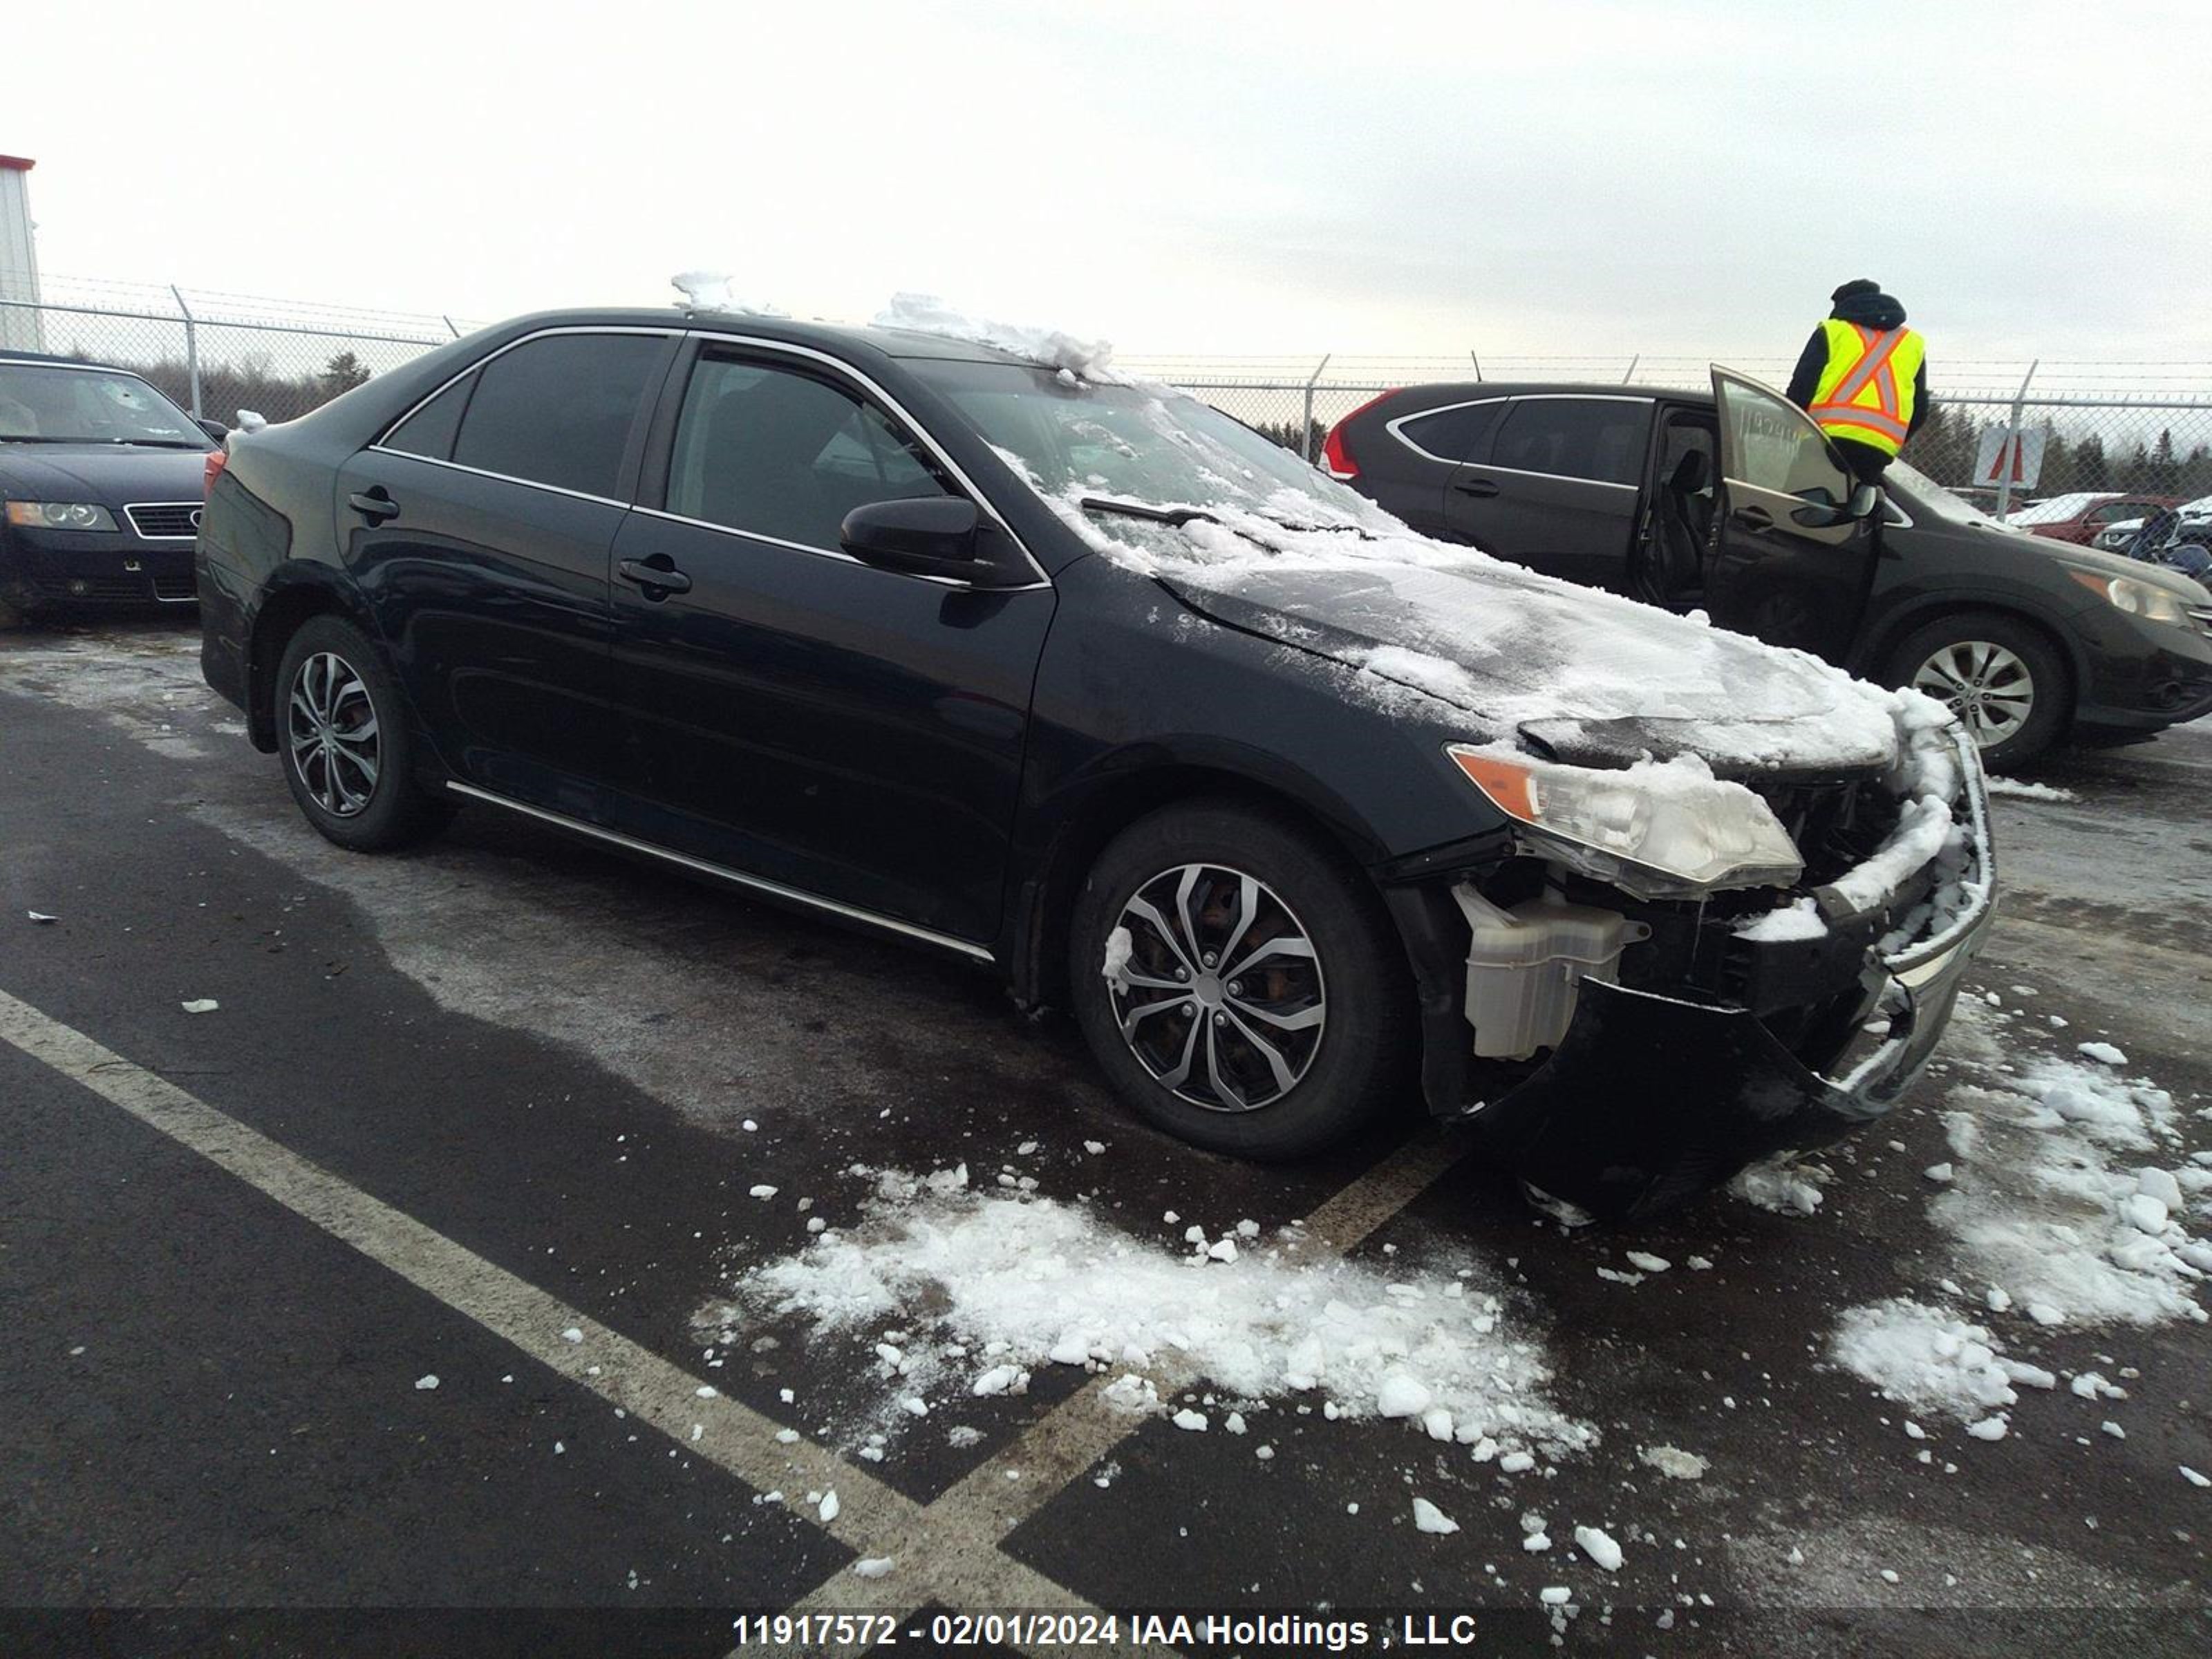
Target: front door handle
point(1476, 487)
point(657, 575)
point(1753, 518)
point(373, 504)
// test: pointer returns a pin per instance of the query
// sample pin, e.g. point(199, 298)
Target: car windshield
point(54, 404)
point(1089, 446)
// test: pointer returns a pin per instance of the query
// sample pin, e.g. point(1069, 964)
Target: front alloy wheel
point(1989, 687)
point(1239, 981)
point(332, 728)
point(1218, 992)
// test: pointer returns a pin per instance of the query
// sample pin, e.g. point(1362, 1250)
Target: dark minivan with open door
point(1732, 502)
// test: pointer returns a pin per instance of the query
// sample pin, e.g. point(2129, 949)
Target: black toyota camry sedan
point(1296, 811)
point(101, 478)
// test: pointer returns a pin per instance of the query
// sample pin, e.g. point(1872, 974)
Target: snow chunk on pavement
point(1781, 1185)
point(1188, 1418)
point(872, 1566)
point(1429, 1518)
point(1919, 1356)
point(1675, 1463)
point(2103, 1053)
point(1649, 1262)
point(426, 1382)
point(1598, 1548)
point(200, 1005)
point(1033, 1281)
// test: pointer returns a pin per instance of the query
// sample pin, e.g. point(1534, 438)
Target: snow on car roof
point(2059, 508)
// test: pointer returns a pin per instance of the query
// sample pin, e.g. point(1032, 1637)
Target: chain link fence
point(2132, 429)
point(216, 353)
point(2138, 428)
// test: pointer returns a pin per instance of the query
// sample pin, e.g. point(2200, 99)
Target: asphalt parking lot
point(554, 1130)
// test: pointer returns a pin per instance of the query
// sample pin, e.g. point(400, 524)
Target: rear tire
point(2008, 683)
point(1306, 1046)
point(344, 742)
point(10, 617)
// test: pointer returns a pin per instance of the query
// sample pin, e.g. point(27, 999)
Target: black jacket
point(1877, 311)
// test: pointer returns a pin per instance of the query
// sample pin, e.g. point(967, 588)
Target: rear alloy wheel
point(2003, 681)
point(347, 754)
point(1238, 982)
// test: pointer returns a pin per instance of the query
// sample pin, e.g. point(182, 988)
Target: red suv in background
point(2077, 517)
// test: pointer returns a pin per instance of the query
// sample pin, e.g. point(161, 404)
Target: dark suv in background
point(101, 479)
point(1730, 502)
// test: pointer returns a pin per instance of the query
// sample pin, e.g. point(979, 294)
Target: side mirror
point(215, 429)
point(1822, 511)
point(934, 536)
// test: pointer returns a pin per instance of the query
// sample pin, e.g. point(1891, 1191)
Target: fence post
point(1476, 360)
point(2009, 451)
point(1632, 362)
point(448, 322)
point(1305, 427)
point(192, 347)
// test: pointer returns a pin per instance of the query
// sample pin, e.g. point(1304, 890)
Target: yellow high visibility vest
point(1865, 394)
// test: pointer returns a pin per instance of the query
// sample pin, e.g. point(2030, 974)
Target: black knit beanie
point(1860, 286)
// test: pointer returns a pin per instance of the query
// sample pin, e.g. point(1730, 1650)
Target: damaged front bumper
point(1649, 1097)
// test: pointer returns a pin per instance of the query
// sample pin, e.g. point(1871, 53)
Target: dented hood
point(1588, 676)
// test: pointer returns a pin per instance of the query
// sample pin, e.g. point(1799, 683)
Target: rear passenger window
point(558, 411)
point(1452, 434)
point(430, 429)
point(1596, 438)
point(785, 455)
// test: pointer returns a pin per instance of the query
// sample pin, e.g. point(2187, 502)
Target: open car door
point(1792, 563)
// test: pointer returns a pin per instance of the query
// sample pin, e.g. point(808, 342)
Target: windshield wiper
point(1177, 516)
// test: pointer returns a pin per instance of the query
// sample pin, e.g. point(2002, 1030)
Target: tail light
point(216, 461)
point(1334, 455)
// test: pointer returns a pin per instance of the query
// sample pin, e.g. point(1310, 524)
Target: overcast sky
point(1360, 177)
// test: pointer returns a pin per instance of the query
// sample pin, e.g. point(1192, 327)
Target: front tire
point(2006, 681)
point(342, 739)
point(1259, 1001)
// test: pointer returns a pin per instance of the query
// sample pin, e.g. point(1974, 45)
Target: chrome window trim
point(504, 477)
point(1392, 427)
point(751, 342)
point(1396, 429)
point(754, 343)
point(762, 884)
point(1564, 477)
point(129, 514)
point(838, 553)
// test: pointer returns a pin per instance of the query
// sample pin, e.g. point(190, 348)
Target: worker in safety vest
point(1863, 377)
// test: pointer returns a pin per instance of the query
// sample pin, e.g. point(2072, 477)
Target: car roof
point(823, 335)
point(1459, 392)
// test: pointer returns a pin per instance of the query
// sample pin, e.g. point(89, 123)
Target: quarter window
point(558, 410)
point(1452, 434)
point(1600, 439)
point(430, 431)
point(786, 455)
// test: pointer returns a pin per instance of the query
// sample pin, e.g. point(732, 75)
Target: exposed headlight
point(60, 515)
point(2138, 599)
point(1653, 829)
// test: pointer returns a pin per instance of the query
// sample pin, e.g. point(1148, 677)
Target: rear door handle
point(1476, 487)
point(657, 575)
point(373, 504)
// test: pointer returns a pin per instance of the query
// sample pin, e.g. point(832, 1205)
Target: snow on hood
point(1087, 359)
point(1589, 675)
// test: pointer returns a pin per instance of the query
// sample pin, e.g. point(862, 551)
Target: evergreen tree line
point(1948, 443)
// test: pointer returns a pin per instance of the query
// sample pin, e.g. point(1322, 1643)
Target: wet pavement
point(506, 1071)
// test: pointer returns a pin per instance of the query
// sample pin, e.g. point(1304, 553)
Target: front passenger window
point(786, 455)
